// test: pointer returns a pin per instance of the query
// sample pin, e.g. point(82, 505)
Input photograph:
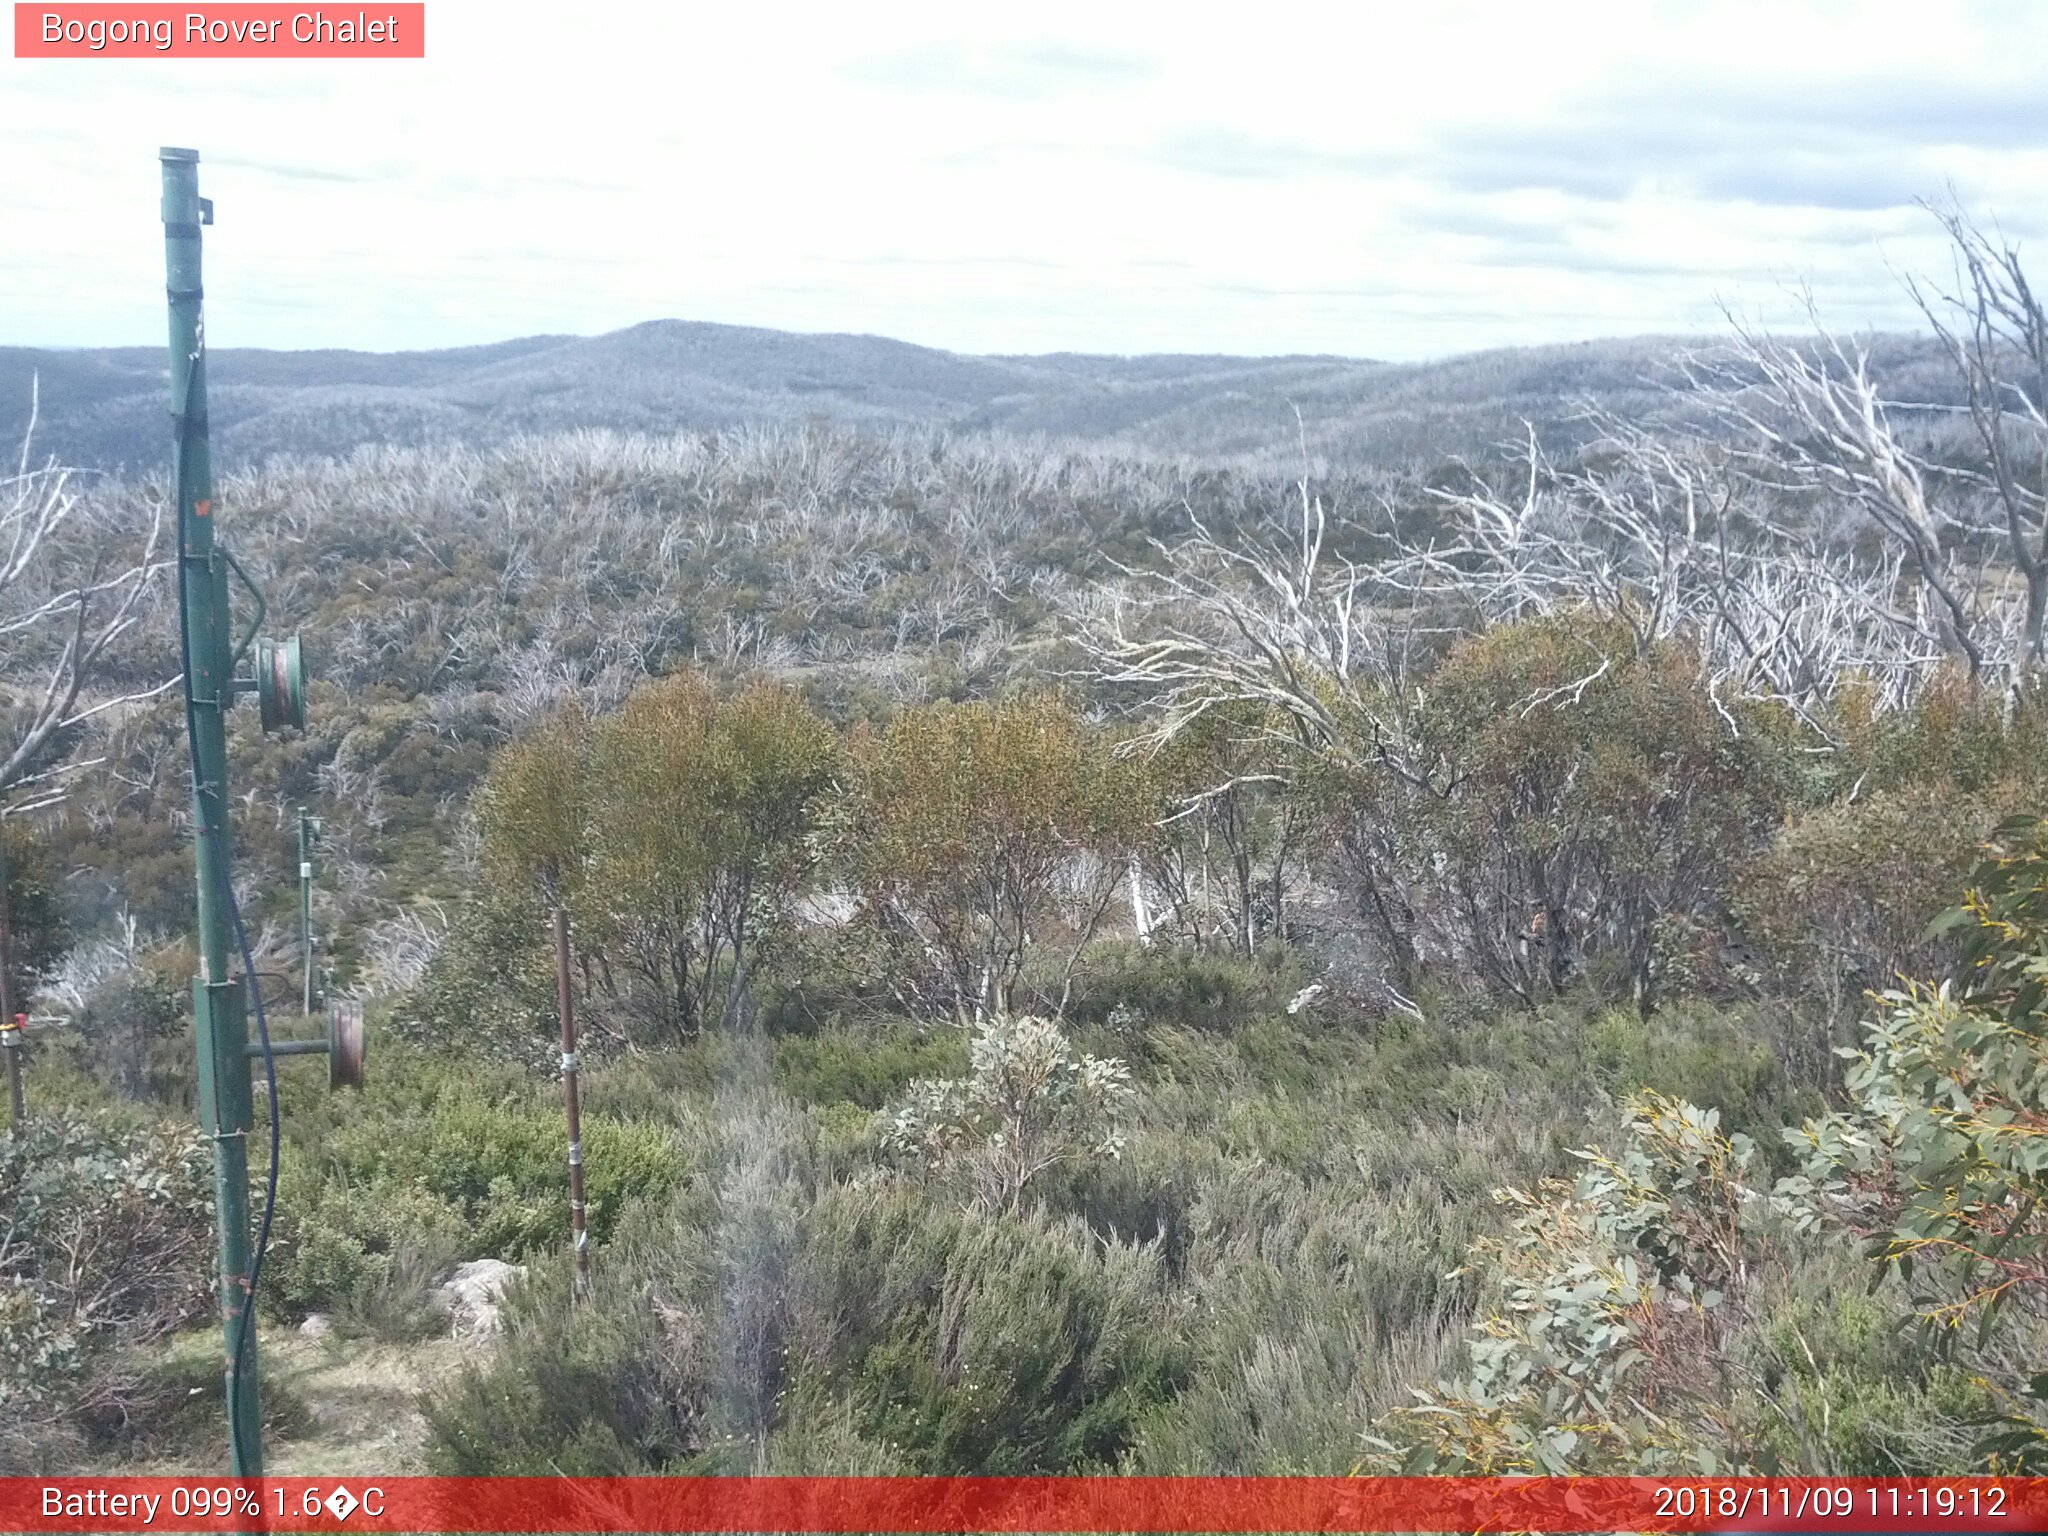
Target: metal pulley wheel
point(346, 1044)
point(281, 683)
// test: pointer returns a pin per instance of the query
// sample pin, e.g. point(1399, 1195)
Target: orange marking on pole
point(201, 508)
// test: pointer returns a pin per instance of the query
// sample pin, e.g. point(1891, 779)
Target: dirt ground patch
point(360, 1402)
point(331, 1405)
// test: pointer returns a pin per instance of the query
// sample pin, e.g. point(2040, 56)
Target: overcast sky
point(1370, 180)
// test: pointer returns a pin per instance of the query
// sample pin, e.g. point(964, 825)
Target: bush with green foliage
point(106, 1243)
point(977, 1343)
point(1842, 900)
point(1940, 1157)
point(867, 1067)
point(498, 1168)
point(489, 988)
point(440, 1159)
point(679, 831)
point(1134, 984)
point(1029, 1103)
point(367, 1255)
point(1953, 732)
point(774, 1318)
point(1618, 1295)
point(1568, 793)
point(1235, 833)
point(703, 819)
point(130, 1028)
point(40, 929)
point(982, 836)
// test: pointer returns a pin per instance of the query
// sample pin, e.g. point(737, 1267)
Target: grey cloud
point(1021, 72)
point(1855, 146)
point(1483, 223)
point(1852, 184)
point(1230, 153)
point(1858, 145)
point(290, 172)
point(1895, 109)
point(1609, 164)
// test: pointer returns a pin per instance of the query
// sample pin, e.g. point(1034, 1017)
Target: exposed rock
point(316, 1326)
point(1305, 997)
point(473, 1295)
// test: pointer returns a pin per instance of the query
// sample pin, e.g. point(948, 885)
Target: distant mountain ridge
point(106, 408)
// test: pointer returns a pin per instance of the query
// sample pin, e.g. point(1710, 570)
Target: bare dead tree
point(1668, 534)
point(1672, 534)
point(1817, 421)
point(1993, 327)
point(73, 581)
point(1265, 621)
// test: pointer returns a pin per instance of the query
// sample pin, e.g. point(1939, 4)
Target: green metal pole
point(306, 901)
point(220, 1011)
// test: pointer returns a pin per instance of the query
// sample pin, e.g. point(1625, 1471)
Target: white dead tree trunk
point(1817, 422)
point(1141, 916)
point(73, 581)
point(1267, 622)
point(1995, 332)
point(1738, 544)
point(1673, 535)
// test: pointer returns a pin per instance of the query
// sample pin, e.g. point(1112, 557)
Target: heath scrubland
point(1094, 961)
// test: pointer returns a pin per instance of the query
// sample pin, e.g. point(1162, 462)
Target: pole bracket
point(220, 1012)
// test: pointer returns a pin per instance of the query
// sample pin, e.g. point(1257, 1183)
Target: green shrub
point(1842, 899)
point(822, 1438)
point(133, 1029)
point(569, 1391)
point(1612, 1293)
point(986, 842)
point(764, 1323)
point(1847, 1387)
point(866, 1067)
point(654, 1086)
point(1194, 989)
point(678, 1363)
point(1567, 790)
point(107, 1244)
point(489, 990)
point(500, 1168)
point(1955, 734)
point(366, 1255)
point(40, 929)
point(440, 1159)
point(1311, 1303)
point(824, 976)
point(979, 1344)
point(1029, 1103)
point(1758, 1068)
point(1939, 1157)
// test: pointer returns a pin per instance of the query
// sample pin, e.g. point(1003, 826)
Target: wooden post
point(11, 1041)
point(565, 1004)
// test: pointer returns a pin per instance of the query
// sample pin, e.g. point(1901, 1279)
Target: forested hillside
point(1091, 960)
point(104, 409)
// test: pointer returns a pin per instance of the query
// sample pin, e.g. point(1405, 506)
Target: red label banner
point(234, 31)
point(1846, 1506)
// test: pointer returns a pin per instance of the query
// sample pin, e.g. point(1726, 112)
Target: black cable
point(216, 828)
point(270, 1178)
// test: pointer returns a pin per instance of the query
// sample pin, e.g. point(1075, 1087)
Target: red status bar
point(1020, 1504)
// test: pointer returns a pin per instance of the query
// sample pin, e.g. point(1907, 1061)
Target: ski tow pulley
point(281, 684)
